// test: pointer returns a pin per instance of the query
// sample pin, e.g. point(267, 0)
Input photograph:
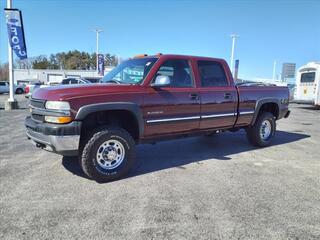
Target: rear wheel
point(263, 130)
point(108, 154)
point(19, 91)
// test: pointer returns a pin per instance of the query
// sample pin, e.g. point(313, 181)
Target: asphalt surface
point(23, 102)
point(198, 188)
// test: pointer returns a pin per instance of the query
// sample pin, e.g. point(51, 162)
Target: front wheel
point(263, 130)
point(108, 154)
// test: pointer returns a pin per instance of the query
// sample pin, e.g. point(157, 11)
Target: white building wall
point(43, 74)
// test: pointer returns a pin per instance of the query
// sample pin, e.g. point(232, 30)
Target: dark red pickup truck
point(146, 99)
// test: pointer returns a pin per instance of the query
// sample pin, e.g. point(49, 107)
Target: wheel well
point(119, 118)
point(270, 107)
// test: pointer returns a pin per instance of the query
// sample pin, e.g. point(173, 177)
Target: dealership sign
point(15, 32)
point(101, 64)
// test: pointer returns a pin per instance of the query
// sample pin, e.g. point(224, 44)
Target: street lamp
point(97, 51)
point(274, 70)
point(233, 36)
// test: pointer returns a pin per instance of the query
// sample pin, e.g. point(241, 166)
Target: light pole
point(97, 51)
point(233, 36)
point(274, 70)
point(11, 104)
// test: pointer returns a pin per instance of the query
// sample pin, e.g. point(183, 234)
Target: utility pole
point(233, 36)
point(274, 70)
point(97, 51)
point(11, 103)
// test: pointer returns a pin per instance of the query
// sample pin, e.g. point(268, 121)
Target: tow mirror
point(161, 81)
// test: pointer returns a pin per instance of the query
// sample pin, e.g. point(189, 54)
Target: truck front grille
point(37, 103)
point(37, 117)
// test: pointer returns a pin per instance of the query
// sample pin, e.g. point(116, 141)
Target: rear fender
point(260, 103)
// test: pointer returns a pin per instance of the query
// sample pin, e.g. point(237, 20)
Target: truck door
point(176, 107)
point(218, 95)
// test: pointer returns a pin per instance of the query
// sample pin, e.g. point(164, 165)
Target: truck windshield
point(132, 71)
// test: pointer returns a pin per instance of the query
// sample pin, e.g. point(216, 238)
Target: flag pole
point(11, 103)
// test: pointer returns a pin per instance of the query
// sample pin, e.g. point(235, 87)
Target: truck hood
point(66, 92)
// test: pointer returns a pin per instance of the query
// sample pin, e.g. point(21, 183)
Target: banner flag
point(236, 70)
point(15, 32)
point(101, 64)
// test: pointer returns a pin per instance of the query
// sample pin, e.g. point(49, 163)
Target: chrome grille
point(37, 103)
point(37, 117)
point(40, 104)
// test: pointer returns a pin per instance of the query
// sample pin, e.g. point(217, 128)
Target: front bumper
point(59, 138)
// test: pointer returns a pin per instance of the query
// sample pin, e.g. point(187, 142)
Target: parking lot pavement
point(216, 187)
point(22, 101)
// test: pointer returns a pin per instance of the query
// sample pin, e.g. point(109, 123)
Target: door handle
point(227, 96)
point(194, 96)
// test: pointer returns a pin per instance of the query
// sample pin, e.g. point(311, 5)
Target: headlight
point(51, 119)
point(57, 105)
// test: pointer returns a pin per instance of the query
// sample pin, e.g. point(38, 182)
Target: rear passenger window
point(212, 74)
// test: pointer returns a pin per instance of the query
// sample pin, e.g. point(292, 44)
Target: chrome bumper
point(64, 145)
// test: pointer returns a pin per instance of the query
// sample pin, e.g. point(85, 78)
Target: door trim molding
point(199, 117)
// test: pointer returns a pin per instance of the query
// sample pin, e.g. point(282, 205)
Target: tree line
point(71, 60)
point(4, 72)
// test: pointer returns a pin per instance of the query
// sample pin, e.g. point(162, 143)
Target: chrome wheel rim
point(110, 154)
point(265, 130)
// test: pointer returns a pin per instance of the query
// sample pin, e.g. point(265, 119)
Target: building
point(48, 76)
point(288, 71)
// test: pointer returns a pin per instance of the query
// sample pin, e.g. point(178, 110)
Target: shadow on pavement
point(315, 108)
point(176, 153)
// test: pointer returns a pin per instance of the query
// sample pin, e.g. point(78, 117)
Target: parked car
point(149, 99)
point(5, 88)
point(31, 87)
point(93, 79)
point(75, 81)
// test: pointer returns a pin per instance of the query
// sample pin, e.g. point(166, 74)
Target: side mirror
point(161, 81)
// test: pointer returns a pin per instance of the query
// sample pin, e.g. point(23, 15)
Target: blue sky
point(286, 31)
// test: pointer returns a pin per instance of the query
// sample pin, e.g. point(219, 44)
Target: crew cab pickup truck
point(146, 99)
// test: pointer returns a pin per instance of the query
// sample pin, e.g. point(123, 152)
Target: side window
point(73, 81)
point(178, 71)
point(212, 74)
point(2, 84)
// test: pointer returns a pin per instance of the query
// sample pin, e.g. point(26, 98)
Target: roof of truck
point(160, 55)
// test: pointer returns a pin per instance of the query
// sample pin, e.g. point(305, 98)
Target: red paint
point(172, 102)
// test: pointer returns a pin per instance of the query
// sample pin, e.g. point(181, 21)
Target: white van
point(308, 81)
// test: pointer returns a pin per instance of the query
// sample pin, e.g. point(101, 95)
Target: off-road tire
point(253, 132)
point(88, 161)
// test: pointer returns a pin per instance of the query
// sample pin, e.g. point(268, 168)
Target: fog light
point(52, 119)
